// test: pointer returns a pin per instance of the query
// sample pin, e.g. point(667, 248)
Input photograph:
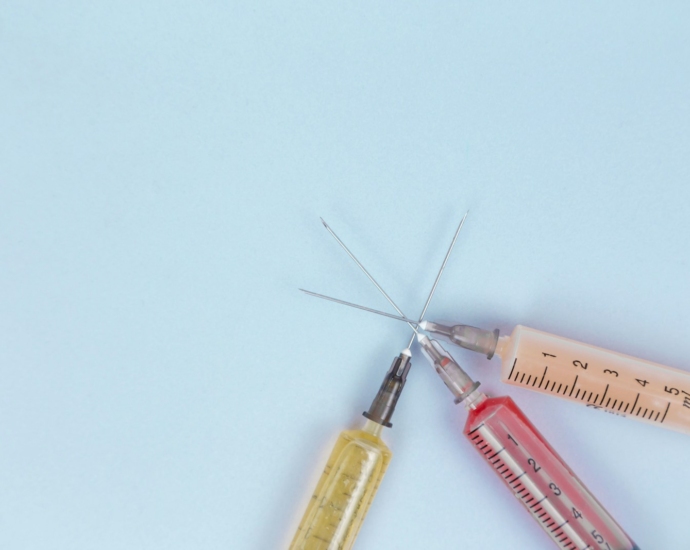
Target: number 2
point(532, 463)
point(580, 364)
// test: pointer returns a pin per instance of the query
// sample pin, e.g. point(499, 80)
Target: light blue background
point(162, 169)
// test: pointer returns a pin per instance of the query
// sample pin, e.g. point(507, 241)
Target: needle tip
point(323, 222)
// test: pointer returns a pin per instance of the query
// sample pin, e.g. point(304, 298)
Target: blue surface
point(162, 170)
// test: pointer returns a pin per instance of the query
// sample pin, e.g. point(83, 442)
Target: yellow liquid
point(344, 491)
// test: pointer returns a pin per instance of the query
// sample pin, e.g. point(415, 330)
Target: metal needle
point(370, 310)
point(440, 271)
point(364, 269)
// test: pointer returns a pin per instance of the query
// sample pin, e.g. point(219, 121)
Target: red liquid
point(540, 479)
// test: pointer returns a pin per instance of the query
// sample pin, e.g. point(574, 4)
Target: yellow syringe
point(353, 473)
point(359, 458)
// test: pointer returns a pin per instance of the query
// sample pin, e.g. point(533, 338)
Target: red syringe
point(528, 465)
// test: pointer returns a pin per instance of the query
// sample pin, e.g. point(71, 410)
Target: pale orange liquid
point(598, 378)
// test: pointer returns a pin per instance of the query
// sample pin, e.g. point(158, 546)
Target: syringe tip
point(423, 325)
point(407, 352)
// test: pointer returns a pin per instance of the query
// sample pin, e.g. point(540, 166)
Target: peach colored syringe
point(596, 377)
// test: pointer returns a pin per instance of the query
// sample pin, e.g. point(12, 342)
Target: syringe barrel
point(344, 492)
point(539, 478)
point(597, 378)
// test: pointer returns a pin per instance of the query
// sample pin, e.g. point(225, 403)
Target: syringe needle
point(364, 308)
point(371, 278)
point(440, 271)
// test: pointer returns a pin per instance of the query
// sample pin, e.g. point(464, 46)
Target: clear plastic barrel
point(597, 378)
point(540, 479)
point(344, 492)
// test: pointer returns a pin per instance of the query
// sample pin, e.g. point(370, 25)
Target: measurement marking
point(565, 390)
point(530, 499)
point(664, 417)
point(559, 388)
point(635, 403)
point(542, 500)
point(523, 377)
point(574, 383)
point(518, 477)
point(496, 453)
point(553, 386)
point(520, 491)
point(626, 408)
point(542, 377)
point(480, 425)
point(614, 403)
point(547, 525)
point(561, 525)
point(602, 397)
point(619, 406)
point(511, 370)
point(528, 379)
point(542, 515)
point(483, 446)
point(578, 392)
point(657, 416)
point(651, 412)
point(607, 402)
point(534, 381)
point(590, 397)
point(537, 511)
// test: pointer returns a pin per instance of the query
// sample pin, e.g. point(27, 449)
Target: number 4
point(642, 383)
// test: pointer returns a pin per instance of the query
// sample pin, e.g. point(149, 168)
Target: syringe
point(359, 458)
point(593, 376)
point(353, 472)
point(596, 377)
point(529, 467)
